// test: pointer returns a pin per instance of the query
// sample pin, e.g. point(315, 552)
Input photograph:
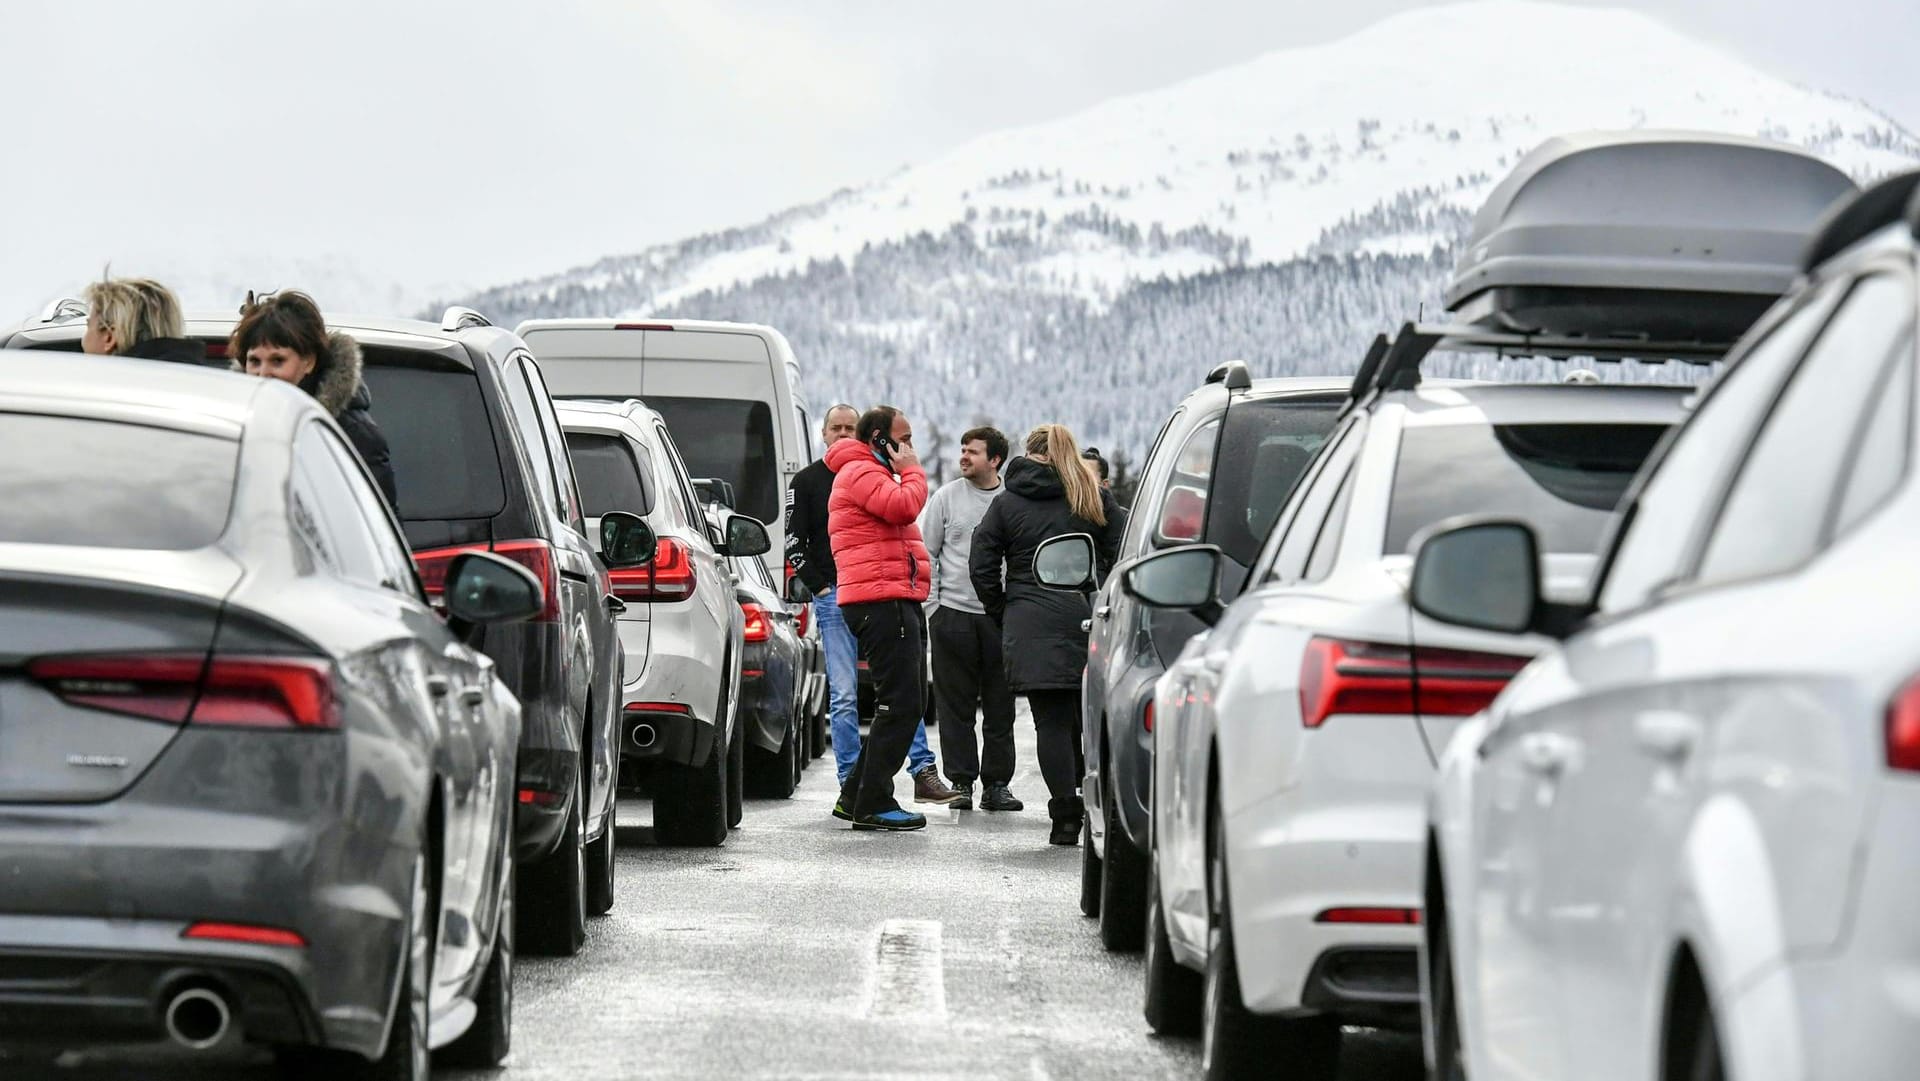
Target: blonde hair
point(135, 310)
point(1075, 473)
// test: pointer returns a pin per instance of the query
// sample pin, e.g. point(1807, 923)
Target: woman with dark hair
point(1049, 492)
point(283, 336)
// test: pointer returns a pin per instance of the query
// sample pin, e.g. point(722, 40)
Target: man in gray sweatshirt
point(968, 673)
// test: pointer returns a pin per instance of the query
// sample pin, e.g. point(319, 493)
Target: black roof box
point(1671, 236)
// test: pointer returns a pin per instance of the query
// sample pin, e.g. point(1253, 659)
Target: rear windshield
point(1265, 446)
point(1562, 479)
point(99, 484)
point(730, 439)
point(610, 478)
point(440, 441)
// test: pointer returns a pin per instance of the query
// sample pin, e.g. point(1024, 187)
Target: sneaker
point(929, 788)
point(1066, 831)
point(1000, 798)
point(898, 820)
point(964, 801)
point(840, 812)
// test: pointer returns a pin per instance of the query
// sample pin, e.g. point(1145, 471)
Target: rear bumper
point(1375, 986)
point(674, 738)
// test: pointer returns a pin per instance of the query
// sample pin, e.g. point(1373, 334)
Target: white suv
point(1294, 742)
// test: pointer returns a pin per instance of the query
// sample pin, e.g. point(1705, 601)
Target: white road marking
point(909, 977)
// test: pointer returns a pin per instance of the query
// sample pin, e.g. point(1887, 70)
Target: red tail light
point(535, 555)
point(1147, 721)
point(643, 326)
point(232, 691)
point(759, 624)
point(803, 619)
point(1369, 915)
point(540, 797)
point(243, 932)
point(1903, 729)
point(668, 578)
point(1365, 677)
point(1184, 514)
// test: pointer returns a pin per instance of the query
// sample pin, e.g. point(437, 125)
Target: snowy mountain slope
point(1357, 163)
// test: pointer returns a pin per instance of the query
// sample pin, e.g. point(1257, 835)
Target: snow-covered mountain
point(1090, 268)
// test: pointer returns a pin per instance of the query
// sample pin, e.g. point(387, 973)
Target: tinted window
point(1885, 443)
point(526, 419)
point(325, 517)
point(440, 441)
point(690, 513)
point(1327, 545)
point(1313, 502)
point(94, 483)
point(1264, 449)
point(730, 439)
point(568, 504)
point(1776, 512)
point(1562, 479)
point(610, 478)
point(397, 571)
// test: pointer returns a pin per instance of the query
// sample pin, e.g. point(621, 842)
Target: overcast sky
point(467, 143)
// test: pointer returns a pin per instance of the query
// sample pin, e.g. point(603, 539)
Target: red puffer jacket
point(877, 551)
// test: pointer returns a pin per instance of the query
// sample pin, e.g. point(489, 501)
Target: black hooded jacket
point(337, 385)
point(1044, 644)
point(174, 350)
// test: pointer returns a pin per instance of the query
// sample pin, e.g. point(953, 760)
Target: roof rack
point(59, 311)
point(458, 318)
point(1233, 373)
point(1394, 363)
point(1895, 199)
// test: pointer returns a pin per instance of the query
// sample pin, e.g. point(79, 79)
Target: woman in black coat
point(1050, 492)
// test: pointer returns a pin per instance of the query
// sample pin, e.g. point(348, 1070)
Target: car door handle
point(615, 604)
point(472, 695)
point(1666, 735)
point(1545, 753)
point(438, 686)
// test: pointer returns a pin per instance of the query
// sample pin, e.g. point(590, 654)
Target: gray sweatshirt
point(946, 524)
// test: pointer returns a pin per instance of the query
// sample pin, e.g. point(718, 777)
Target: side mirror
point(626, 540)
point(1187, 578)
point(797, 591)
point(746, 536)
point(1065, 563)
point(1484, 575)
point(484, 588)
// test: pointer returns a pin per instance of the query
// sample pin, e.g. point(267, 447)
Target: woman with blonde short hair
point(138, 317)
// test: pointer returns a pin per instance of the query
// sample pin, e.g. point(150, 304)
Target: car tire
point(1172, 1006)
point(690, 802)
point(1704, 1062)
point(737, 776)
point(601, 858)
point(817, 731)
point(485, 1045)
point(1235, 1042)
point(1089, 873)
point(1123, 885)
point(1449, 1064)
point(553, 910)
point(406, 1056)
point(771, 776)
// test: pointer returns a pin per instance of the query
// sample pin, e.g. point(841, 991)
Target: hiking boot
point(999, 797)
point(929, 788)
point(964, 801)
point(840, 812)
point(1066, 831)
point(897, 820)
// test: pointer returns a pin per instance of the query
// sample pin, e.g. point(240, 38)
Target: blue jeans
point(843, 692)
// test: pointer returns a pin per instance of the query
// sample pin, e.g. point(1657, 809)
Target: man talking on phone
point(883, 573)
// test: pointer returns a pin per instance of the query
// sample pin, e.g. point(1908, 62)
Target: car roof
point(375, 330)
point(1542, 403)
point(187, 396)
point(609, 323)
point(606, 407)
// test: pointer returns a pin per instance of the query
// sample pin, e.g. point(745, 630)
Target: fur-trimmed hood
point(336, 380)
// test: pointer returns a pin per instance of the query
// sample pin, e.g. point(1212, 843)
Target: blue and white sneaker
point(894, 821)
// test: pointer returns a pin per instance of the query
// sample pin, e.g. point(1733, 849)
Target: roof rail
point(59, 311)
point(1847, 222)
point(1233, 373)
point(458, 318)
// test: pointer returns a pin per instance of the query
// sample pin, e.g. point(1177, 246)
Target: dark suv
point(480, 463)
point(1218, 473)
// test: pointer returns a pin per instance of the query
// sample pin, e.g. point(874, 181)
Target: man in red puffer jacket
point(883, 575)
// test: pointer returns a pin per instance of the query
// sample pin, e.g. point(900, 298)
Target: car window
point(1146, 513)
point(1316, 499)
point(1265, 568)
point(100, 484)
point(731, 439)
point(1775, 514)
point(693, 517)
point(1265, 447)
point(1683, 485)
point(526, 419)
point(439, 438)
point(567, 502)
point(610, 476)
point(1182, 515)
point(397, 569)
point(325, 518)
point(1881, 460)
point(1327, 544)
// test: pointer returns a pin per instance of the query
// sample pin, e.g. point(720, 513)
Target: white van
point(730, 394)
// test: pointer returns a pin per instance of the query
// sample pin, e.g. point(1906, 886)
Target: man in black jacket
point(811, 554)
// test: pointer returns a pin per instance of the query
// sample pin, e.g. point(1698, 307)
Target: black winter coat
point(337, 385)
point(1043, 642)
point(808, 547)
point(175, 350)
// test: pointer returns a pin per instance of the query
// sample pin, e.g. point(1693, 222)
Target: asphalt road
point(802, 949)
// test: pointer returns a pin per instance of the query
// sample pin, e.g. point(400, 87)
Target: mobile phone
point(884, 445)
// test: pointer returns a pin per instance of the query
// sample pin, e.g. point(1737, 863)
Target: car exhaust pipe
point(643, 735)
point(198, 1018)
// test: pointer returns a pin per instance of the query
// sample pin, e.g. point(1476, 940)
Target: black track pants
point(969, 676)
point(890, 638)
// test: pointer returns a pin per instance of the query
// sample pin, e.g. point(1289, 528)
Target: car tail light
point(1338, 676)
point(535, 555)
point(752, 673)
point(208, 931)
point(803, 619)
point(758, 625)
point(1369, 915)
point(1183, 515)
point(643, 326)
point(540, 797)
point(668, 578)
point(660, 707)
point(1903, 729)
point(1146, 720)
point(231, 691)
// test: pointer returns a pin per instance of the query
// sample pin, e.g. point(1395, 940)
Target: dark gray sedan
point(252, 788)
